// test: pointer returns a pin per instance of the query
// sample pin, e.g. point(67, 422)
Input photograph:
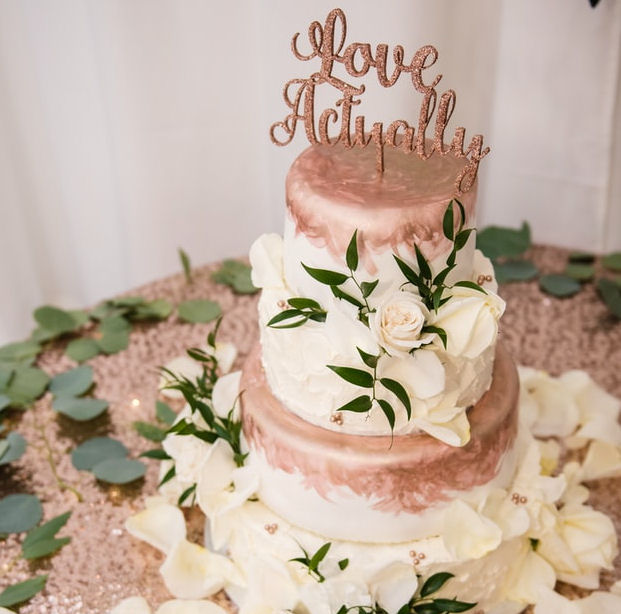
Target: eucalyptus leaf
point(324, 276)
point(185, 264)
point(497, 241)
point(119, 470)
point(581, 272)
point(159, 309)
point(164, 413)
point(199, 311)
point(19, 513)
point(82, 349)
point(351, 255)
point(22, 591)
point(514, 270)
point(44, 548)
point(6, 375)
point(73, 382)
point(559, 285)
point(55, 320)
point(113, 342)
point(114, 324)
point(26, 386)
point(128, 301)
point(41, 541)
point(150, 431)
point(4, 446)
point(79, 409)
point(156, 454)
point(5, 401)
point(15, 448)
point(358, 377)
point(20, 352)
point(236, 275)
point(96, 450)
point(80, 317)
point(582, 257)
point(41, 335)
point(610, 293)
point(612, 261)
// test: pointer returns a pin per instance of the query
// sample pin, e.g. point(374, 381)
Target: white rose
point(266, 261)
point(398, 321)
point(393, 586)
point(470, 319)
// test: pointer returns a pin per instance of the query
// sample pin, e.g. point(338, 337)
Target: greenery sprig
point(311, 562)
point(302, 310)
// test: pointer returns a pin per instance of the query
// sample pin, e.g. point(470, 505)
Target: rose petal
point(393, 586)
point(529, 578)
point(602, 460)
point(467, 534)
point(266, 261)
point(549, 601)
point(179, 606)
point(225, 395)
point(162, 526)
point(131, 605)
point(422, 374)
point(456, 432)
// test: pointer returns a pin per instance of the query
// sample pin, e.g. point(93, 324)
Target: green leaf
point(82, 349)
point(44, 548)
point(440, 278)
point(55, 320)
point(427, 608)
point(451, 605)
point(329, 278)
point(514, 270)
point(399, 391)
point(26, 385)
point(22, 351)
point(581, 272)
point(114, 342)
point(96, 450)
point(4, 446)
point(41, 541)
point(612, 261)
point(19, 513)
point(346, 297)
point(73, 382)
point(408, 272)
point(423, 265)
point(471, 285)
point(79, 409)
point(159, 309)
point(497, 241)
point(114, 324)
point(40, 335)
point(80, 317)
point(185, 494)
point(15, 448)
point(236, 275)
point(438, 331)
point(358, 377)
point(119, 470)
point(288, 314)
point(343, 563)
point(559, 285)
point(435, 582)
point(389, 412)
point(462, 213)
point(351, 255)
point(448, 224)
point(304, 303)
point(367, 287)
point(5, 401)
point(582, 257)
point(23, 591)
point(170, 474)
point(610, 293)
point(359, 404)
point(462, 238)
point(199, 311)
point(127, 301)
point(319, 556)
point(156, 454)
point(150, 431)
point(185, 263)
point(370, 360)
point(164, 413)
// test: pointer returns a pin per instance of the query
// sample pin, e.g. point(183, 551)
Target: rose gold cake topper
point(327, 43)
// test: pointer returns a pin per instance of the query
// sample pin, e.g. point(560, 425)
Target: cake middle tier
point(376, 488)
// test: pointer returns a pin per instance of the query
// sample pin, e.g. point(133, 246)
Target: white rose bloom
point(602, 460)
point(393, 586)
point(161, 525)
point(512, 519)
point(131, 605)
point(582, 543)
point(182, 606)
point(470, 319)
point(398, 321)
point(225, 395)
point(266, 261)
point(482, 267)
point(468, 534)
point(548, 405)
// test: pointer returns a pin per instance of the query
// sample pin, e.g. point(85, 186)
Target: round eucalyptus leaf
point(23, 351)
point(128, 301)
point(199, 311)
point(55, 320)
point(158, 309)
point(73, 382)
point(114, 324)
point(582, 257)
point(80, 317)
point(579, 271)
point(514, 270)
point(612, 261)
point(79, 408)
point(497, 241)
point(610, 293)
point(19, 513)
point(26, 385)
point(96, 450)
point(15, 448)
point(119, 470)
point(42, 335)
point(559, 285)
point(113, 341)
point(4, 446)
point(82, 349)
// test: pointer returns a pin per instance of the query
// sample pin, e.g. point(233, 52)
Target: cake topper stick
point(327, 44)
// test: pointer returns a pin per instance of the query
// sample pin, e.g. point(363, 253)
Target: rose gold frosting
point(410, 473)
point(332, 191)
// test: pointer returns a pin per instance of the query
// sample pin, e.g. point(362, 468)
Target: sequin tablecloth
point(103, 563)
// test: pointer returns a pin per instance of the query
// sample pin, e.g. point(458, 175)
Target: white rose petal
point(550, 451)
point(512, 519)
point(266, 261)
point(455, 432)
point(346, 332)
point(467, 534)
point(225, 395)
point(189, 454)
point(394, 586)
point(529, 578)
point(131, 605)
point(422, 373)
point(216, 478)
point(599, 602)
point(602, 460)
point(398, 321)
point(162, 526)
point(329, 596)
point(470, 320)
point(181, 606)
point(549, 602)
point(193, 572)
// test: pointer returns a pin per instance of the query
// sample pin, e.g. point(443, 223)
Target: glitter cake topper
point(328, 44)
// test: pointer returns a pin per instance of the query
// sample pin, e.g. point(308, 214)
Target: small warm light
point(135, 402)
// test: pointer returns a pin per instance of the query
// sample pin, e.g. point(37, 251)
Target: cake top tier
point(332, 191)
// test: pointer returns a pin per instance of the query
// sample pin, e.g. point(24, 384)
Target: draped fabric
point(129, 128)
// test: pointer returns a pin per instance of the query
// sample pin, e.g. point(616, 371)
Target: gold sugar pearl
point(337, 419)
point(413, 554)
point(488, 278)
point(282, 303)
point(271, 528)
point(523, 500)
point(421, 556)
point(481, 279)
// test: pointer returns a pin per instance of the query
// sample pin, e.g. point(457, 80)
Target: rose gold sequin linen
point(104, 564)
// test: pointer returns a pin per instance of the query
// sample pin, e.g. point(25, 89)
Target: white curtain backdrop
point(129, 128)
